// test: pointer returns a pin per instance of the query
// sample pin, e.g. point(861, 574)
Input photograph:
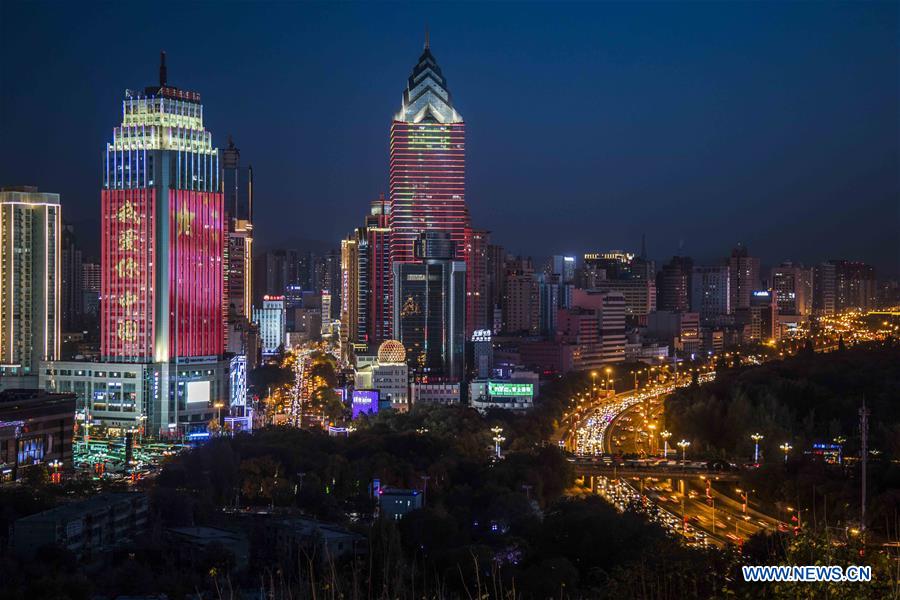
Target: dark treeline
point(803, 400)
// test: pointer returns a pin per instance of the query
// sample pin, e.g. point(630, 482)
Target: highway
point(683, 496)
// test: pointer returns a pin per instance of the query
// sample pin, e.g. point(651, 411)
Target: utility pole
point(864, 455)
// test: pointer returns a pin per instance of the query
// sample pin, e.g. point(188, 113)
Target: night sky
point(700, 125)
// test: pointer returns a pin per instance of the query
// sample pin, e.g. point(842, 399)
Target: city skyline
point(798, 182)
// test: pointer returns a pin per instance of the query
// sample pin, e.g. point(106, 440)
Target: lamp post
point(498, 438)
point(608, 378)
point(683, 444)
point(665, 435)
point(745, 495)
point(593, 386)
point(756, 437)
point(55, 464)
point(786, 448)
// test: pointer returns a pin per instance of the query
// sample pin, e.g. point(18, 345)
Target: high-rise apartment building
point(855, 286)
point(521, 301)
point(30, 276)
point(743, 271)
point(71, 296)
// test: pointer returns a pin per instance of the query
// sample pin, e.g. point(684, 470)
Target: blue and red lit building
point(163, 236)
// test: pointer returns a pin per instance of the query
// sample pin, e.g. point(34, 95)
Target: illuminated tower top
point(426, 97)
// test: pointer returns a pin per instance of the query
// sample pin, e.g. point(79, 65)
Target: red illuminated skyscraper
point(428, 181)
point(428, 163)
point(162, 231)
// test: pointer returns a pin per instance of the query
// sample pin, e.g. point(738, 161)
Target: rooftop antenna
point(427, 38)
point(162, 69)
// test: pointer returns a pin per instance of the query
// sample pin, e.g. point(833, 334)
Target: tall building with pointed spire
point(428, 163)
point(428, 181)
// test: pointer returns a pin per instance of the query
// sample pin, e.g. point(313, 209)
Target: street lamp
point(55, 464)
point(756, 437)
point(683, 444)
point(497, 439)
point(744, 494)
point(593, 385)
point(665, 435)
point(608, 379)
point(786, 448)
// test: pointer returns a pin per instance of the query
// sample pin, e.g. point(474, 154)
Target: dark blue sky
point(700, 124)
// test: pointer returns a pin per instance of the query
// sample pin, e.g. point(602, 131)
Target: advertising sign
point(498, 388)
point(364, 401)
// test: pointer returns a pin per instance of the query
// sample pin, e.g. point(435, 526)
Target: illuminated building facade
point(238, 201)
point(30, 238)
point(162, 231)
point(428, 163)
point(429, 317)
point(271, 319)
point(163, 236)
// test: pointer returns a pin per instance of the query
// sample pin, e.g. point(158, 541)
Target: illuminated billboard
point(497, 388)
point(364, 401)
point(198, 392)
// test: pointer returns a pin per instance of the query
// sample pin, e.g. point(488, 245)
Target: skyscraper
point(429, 312)
point(162, 333)
point(30, 238)
point(793, 288)
point(711, 292)
point(427, 163)
point(673, 285)
point(238, 201)
point(70, 276)
point(744, 275)
point(162, 231)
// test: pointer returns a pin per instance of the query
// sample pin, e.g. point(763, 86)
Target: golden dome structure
point(391, 351)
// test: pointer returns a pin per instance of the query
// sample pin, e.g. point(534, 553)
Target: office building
point(743, 271)
point(90, 289)
point(673, 285)
point(595, 325)
point(429, 307)
point(711, 292)
point(71, 295)
point(678, 330)
point(35, 428)
point(479, 312)
point(793, 287)
point(855, 286)
point(271, 320)
point(30, 298)
point(824, 302)
point(521, 300)
point(237, 185)
point(427, 164)
point(162, 266)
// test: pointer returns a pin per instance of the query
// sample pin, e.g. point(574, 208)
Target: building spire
point(162, 69)
point(427, 39)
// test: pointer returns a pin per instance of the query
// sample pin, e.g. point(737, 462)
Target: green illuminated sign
point(510, 389)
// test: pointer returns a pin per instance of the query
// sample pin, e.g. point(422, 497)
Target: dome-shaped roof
point(391, 351)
